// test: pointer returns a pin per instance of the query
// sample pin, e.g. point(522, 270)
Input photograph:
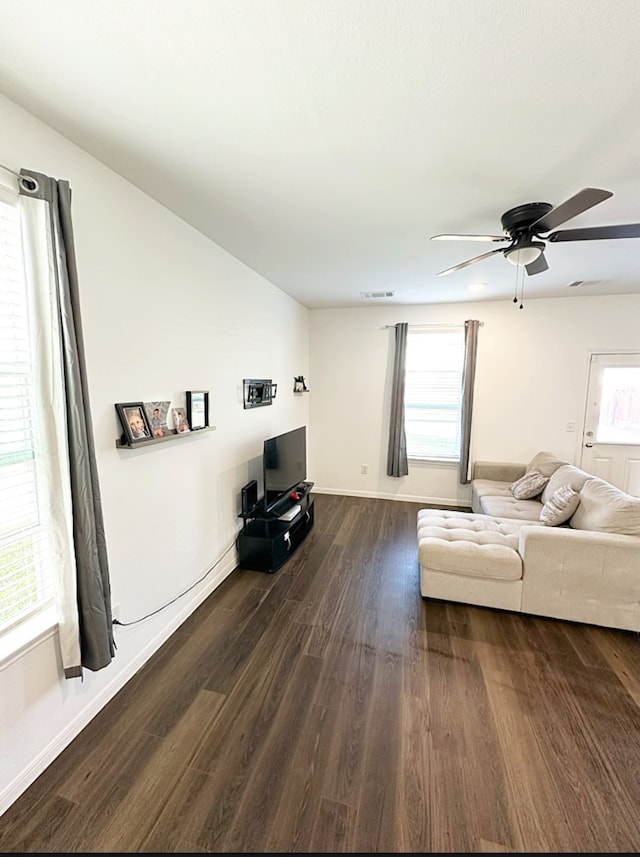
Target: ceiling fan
point(524, 225)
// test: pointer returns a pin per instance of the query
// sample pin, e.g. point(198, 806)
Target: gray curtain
point(468, 379)
point(97, 645)
point(397, 464)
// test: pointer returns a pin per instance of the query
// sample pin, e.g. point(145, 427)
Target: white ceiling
point(322, 142)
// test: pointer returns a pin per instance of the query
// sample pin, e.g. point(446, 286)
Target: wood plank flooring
point(328, 708)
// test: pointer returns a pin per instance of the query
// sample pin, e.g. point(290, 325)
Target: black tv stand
point(268, 539)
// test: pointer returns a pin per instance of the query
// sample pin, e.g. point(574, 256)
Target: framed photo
point(157, 413)
point(198, 409)
point(135, 424)
point(180, 420)
point(258, 392)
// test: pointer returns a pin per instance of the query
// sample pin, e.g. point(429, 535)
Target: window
point(618, 413)
point(433, 392)
point(25, 576)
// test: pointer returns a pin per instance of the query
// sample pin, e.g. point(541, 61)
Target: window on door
point(619, 405)
point(433, 392)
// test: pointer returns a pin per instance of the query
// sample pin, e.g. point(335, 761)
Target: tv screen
point(284, 463)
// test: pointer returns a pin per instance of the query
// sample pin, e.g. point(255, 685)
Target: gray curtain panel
point(397, 464)
point(468, 380)
point(97, 644)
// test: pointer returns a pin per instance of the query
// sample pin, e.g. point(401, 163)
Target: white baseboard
point(408, 498)
point(21, 783)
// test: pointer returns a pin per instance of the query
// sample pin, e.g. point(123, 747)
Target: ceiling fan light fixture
point(524, 254)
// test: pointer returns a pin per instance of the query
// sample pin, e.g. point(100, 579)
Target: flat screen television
point(284, 465)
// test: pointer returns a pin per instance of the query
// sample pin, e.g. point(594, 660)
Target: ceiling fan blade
point(597, 233)
point(469, 238)
point(572, 207)
point(537, 266)
point(469, 262)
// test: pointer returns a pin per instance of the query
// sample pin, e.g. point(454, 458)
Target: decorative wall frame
point(157, 413)
point(198, 409)
point(258, 392)
point(135, 425)
point(180, 420)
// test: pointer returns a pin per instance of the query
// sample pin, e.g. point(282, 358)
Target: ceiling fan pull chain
point(515, 294)
point(522, 291)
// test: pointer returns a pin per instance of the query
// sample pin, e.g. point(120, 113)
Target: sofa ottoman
point(470, 558)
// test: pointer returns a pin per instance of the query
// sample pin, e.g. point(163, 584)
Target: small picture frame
point(180, 420)
point(135, 425)
point(258, 392)
point(198, 409)
point(157, 413)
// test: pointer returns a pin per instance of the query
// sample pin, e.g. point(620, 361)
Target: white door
point(611, 439)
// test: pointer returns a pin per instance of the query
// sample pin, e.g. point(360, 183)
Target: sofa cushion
point(568, 474)
point(560, 506)
point(509, 507)
point(491, 488)
point(546, 463)
point(606, 509)
point(528, 486)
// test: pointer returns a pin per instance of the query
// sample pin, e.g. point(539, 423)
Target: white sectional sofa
point(581, 562)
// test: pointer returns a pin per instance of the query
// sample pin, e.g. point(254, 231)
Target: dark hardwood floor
point(328, 708)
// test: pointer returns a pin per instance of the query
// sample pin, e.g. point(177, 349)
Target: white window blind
point(26, 585)
point(433, 392)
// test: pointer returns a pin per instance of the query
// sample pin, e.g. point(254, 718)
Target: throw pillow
point(529, 485)
point(560, 506)
point(606, 509)
point(545, 463)
point(568, 474)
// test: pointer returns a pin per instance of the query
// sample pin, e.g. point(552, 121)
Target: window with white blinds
point(433, 392)
point(25, 575)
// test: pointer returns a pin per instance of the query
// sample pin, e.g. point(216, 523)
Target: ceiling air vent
point(372, 295)
point(577, 283)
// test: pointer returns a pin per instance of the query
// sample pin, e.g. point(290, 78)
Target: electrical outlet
point(364, 469)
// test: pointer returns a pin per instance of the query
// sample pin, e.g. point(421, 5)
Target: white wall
point(164, 310)
point(530, 382)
